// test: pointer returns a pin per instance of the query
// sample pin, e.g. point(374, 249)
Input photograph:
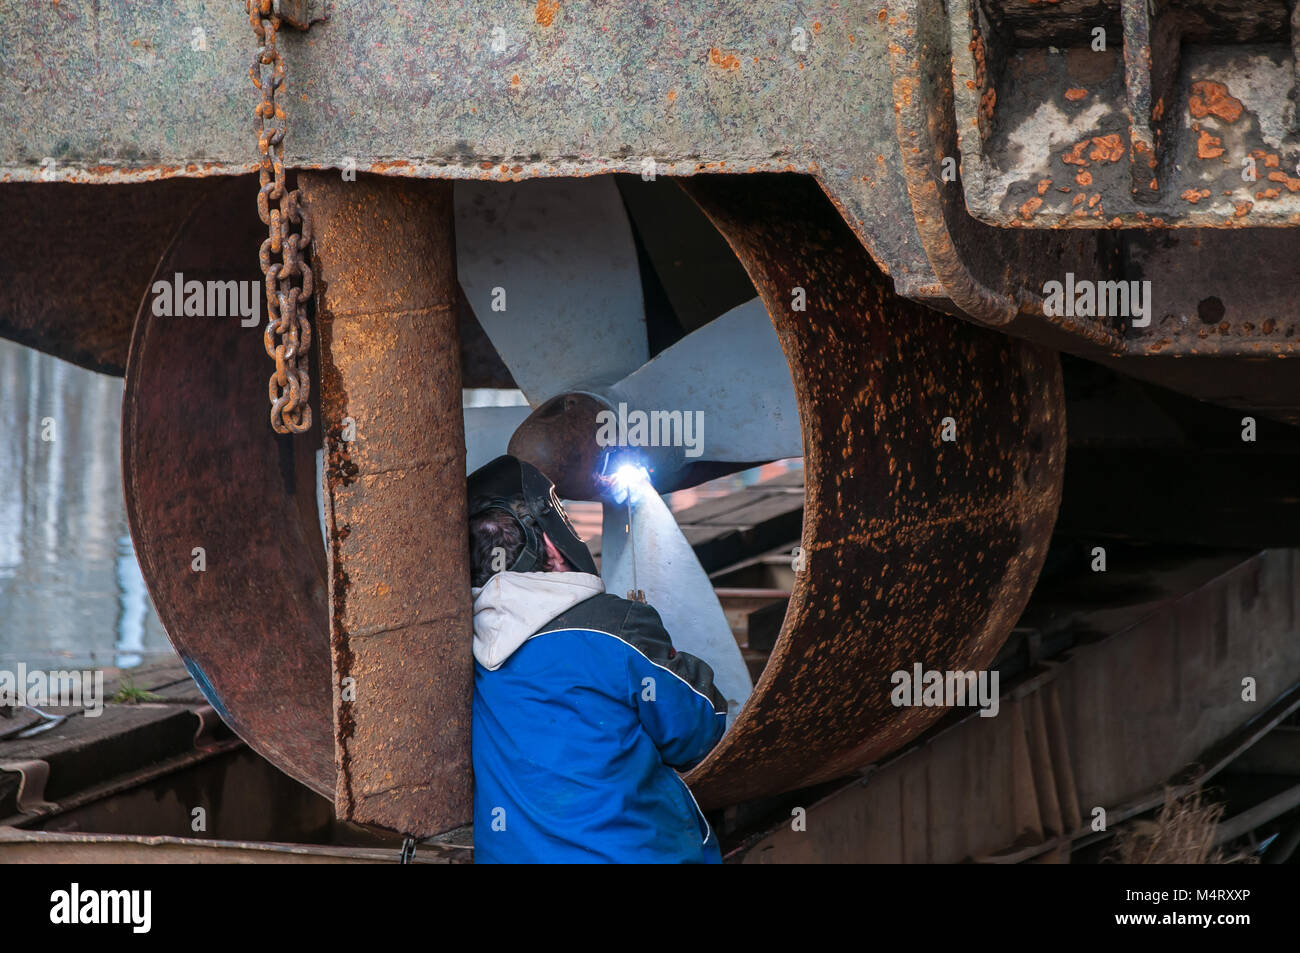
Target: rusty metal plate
point(107, 91)
point(1183, 117)
point(918, 550)
point(73, 291)
point(203, 471)
point(400, 616)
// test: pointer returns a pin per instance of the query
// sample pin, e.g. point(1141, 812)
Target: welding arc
point(572, 332)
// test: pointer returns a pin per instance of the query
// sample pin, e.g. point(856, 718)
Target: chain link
point(288, 280)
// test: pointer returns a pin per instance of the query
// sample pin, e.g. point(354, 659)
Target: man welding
point(582, 709)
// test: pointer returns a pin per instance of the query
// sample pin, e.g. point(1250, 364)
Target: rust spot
point(1194, 196)
point(882, 15)
point(514, 80)
point(904, 88)
point(1116, 222)
point(1078, 199)
point(1084, 177)
point(817, 26)
point(1107, 148)
point(1270, 161)
point(1153, 185)
point(1030, 207)
point(1044, 185)
point(1208, 146)
point(1063, 188)
point(1291, 184)
point(727, 61)
point(1209, 98)
point(1093, 199)
point(672, 95)
point(546, 11)
point(1075, 155)
point(1267, 194)
point(987, 102)
point(1159, 109)
point(1075, 93)
point(1242, 208)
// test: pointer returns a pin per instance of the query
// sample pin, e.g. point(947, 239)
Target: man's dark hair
point(495, 542)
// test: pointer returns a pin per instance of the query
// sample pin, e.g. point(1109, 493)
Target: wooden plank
point(709, 510)
point(758, 511)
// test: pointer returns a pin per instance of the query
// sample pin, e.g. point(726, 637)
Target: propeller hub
point(559, 438)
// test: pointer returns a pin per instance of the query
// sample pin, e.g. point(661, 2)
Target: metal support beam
point(395, 500)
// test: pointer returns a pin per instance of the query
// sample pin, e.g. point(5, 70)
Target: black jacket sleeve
point(645, 631)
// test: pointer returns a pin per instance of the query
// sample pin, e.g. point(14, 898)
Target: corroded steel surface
point(1184, 118)
point(866, 105)
point(77, 260)
point(473, 89)
point(1145, 664)
point(918, 550)
point(46, 847)
point(200, 463)
point(995, 276)
point(400, 614)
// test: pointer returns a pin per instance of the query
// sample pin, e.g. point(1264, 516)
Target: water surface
point(70, 588)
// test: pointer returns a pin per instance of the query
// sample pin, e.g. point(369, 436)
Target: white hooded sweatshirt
point(510, 609)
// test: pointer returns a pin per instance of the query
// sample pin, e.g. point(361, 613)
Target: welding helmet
point(522, 490)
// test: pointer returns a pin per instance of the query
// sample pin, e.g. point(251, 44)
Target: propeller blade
point(550, 268)
point(661, 563)
point(734, 371)
point(487, 432)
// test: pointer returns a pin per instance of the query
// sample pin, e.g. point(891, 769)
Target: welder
point(583, 711)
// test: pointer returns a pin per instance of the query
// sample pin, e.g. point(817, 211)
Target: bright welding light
point(628, 481)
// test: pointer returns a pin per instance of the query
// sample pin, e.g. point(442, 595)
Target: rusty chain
point(288, 330)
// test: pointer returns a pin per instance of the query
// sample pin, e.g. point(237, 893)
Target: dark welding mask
point(522, 490)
